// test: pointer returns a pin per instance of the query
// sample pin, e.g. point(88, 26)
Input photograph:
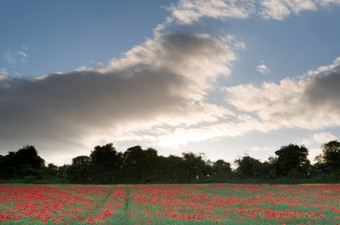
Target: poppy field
point(170, 204)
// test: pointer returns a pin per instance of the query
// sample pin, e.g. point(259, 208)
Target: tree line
point(106, 165)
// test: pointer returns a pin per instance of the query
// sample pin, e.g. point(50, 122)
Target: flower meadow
point(170, 204)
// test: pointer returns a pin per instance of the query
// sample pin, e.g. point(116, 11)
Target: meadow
point(170, 204)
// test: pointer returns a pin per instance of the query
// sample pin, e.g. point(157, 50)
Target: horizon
point(226, 78)
point(202, 154)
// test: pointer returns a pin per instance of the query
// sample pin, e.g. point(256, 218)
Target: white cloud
point(323, 137)
point(9, 58)
point(96, 64)
point(262, 149)
point(238, 126)
point(328, 2)
point(317, 139)
point(189, 11)
point(307, 142)
point(83, 68)
point(262, 68)
point(13, 58)
point(289, 104)
point(310, 102)
point(279, 9)
point(3, 71)
point(23, 54)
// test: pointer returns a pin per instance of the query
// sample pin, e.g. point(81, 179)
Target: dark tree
point(52, 170)
point(195, 167)
point(174, 171)
point(220, 171)
point(4, 167)
point(106, 164)
point(248, 167)
point(24, 163)
point(62, 170)
point(292, 159)
point(220, 167)
point(140, 166)
point(152, 166)
point(28, 157)
point(331, 156)
point(80, 170)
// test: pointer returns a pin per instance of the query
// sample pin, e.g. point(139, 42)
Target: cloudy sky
point(223, 77)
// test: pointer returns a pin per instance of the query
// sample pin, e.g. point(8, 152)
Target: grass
point(169, 204)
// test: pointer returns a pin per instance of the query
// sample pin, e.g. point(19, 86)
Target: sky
point(226, 78)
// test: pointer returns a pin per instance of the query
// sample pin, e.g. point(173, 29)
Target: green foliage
point(292, 159)
point(248, 167)
point(107, 166)
point(21, 164)
point(331, 155)
point(80, 170)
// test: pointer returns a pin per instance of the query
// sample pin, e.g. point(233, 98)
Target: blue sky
point(222, 77)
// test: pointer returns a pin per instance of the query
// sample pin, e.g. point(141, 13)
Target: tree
point(195, 167)
point(24, 163)
point(221, 168)
point(331, 155)
point(152, 169)
point(28, 156)
point(4, 167)
point(52, 170)
point(80, 170)
point(248, 167)
point(140, 165)
point(292, 159)
point(220, 171)
point(173, 169)
point(106, 164)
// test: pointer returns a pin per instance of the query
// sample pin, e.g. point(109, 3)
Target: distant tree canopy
point(25, 162)
point(80, 170)
point(292, 159)
point(105, 165)
point(331, 155)
point(251, 168)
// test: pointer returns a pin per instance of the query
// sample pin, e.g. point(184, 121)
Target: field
point(170, 204)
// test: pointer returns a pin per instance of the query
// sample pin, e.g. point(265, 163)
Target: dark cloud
point(153, 81)
point(325, 90)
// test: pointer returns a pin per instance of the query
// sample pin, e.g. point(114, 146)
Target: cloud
point(309, 102)
point(263, 69)
point(237, 125)
point(323, 137)
point(319, 138)
point(158, 91)
point(328, 2)
point(279, 9)
point(13, 58)
point(262, 149)
point(23, 54)
point(162, 82)
point(3, 71)
point(9, 58)
point(191, 11)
